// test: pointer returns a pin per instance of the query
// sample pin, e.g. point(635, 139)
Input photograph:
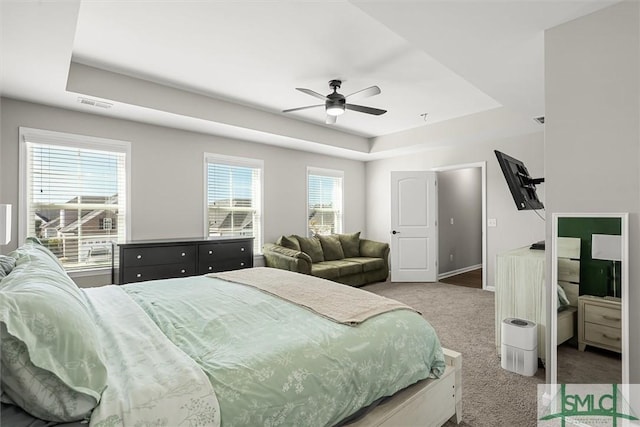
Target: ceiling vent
point(94, 102)
point(539, 119)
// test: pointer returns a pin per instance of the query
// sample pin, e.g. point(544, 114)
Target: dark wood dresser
point(137, 261)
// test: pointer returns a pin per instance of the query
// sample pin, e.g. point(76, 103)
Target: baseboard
point(459, 271)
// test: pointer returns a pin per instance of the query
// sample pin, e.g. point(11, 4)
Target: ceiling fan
point(336, 103)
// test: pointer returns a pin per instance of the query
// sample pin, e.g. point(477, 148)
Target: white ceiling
point(449, 59)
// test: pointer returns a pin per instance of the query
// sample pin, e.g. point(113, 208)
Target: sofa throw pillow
point(331, 247)
point(312, 247)
point(290, 242)
point(350, 244)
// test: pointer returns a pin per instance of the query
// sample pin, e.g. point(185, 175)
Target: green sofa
point(343, 258)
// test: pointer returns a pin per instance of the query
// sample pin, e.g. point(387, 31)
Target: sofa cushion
point(312, 247)
point(289, 242)
point(325, 270)
point(344, 268)
point(350, 244)
point(368, 264)
point(331, 247)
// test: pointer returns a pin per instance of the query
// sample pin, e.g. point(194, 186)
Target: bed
point(254, 347)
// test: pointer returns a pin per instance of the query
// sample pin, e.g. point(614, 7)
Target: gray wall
point(514, 228)
point(460, 200)
point(167, 173)
point(592, 153)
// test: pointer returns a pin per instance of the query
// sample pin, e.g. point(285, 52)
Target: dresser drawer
point(158, 255)
point(166, 271)
point(603, 336)
point(607, 316)
point(216, 266)
point(223, 251)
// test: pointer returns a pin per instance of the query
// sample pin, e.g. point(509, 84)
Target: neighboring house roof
point(223, 218)
point(71, 214)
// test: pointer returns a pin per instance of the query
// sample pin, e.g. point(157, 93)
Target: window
point(73, 195)
point(234, 197)
point(324, 195)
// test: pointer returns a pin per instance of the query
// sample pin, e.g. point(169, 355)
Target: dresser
point(137, 261)
point(599, 323)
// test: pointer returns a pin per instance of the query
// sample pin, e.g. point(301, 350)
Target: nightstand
point(599, 323)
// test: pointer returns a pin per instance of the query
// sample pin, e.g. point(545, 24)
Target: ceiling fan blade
point(362, 109)
point(331, 119)
point(312, 93)
point(302, 108)
point(364, 93)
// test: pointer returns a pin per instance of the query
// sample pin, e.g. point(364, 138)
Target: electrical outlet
point(451, 221)
point(450, 257)
point(492, 222)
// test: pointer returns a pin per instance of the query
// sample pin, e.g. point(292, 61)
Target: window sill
point(98, 271)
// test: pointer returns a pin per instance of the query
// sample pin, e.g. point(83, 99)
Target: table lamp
point(607, 247)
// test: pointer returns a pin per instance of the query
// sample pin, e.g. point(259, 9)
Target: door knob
point(395, 232)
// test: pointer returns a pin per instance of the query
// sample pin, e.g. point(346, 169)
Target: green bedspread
point(273, 363)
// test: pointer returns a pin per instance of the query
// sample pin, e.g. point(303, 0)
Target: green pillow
point(45, 314)
point(36, 390)
point(290, 242)
point(331, 247)
point(312, 247)
point(350, 244)
point(6, 265)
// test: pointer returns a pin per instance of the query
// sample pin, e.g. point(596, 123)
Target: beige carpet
point(464, 320)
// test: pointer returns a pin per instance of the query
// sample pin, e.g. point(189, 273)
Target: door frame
point(483, 166)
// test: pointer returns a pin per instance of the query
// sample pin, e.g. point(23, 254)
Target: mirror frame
point(624, 291)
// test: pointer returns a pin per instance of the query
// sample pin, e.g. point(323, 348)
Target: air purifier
point(519, 351)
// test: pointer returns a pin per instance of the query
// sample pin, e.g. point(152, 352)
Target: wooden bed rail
point(428, 403)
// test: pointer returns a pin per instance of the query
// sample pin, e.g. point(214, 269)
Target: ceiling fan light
point(335, 110)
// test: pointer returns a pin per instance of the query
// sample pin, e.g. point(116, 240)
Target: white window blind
point(324, 190)
point(234, 198)
point(75, 196)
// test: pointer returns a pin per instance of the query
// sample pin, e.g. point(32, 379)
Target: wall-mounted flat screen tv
point(521, 185)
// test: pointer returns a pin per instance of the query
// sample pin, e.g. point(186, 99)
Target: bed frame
point(429, 402)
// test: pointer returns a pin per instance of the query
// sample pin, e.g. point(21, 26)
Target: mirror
point(589, 321)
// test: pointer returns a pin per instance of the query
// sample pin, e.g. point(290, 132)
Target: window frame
point(41, 136)
point(333, 173)
point(246, 162)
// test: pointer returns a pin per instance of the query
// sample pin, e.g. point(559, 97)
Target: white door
point(414, 227)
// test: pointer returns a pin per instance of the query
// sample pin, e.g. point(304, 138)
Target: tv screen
point(521, 185)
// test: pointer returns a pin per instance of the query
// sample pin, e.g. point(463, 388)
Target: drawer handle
point(210, 268)
point(210, 252)
point(182, 271)
point(182, 254)
point(615, 319)
point(242, 264)
point(139, 257)
point(139, 275)
point(241, 249)
point(611, 338)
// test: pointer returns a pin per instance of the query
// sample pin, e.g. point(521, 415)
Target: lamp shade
point(606, 246)
point(335, 110)
point(5, 224)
